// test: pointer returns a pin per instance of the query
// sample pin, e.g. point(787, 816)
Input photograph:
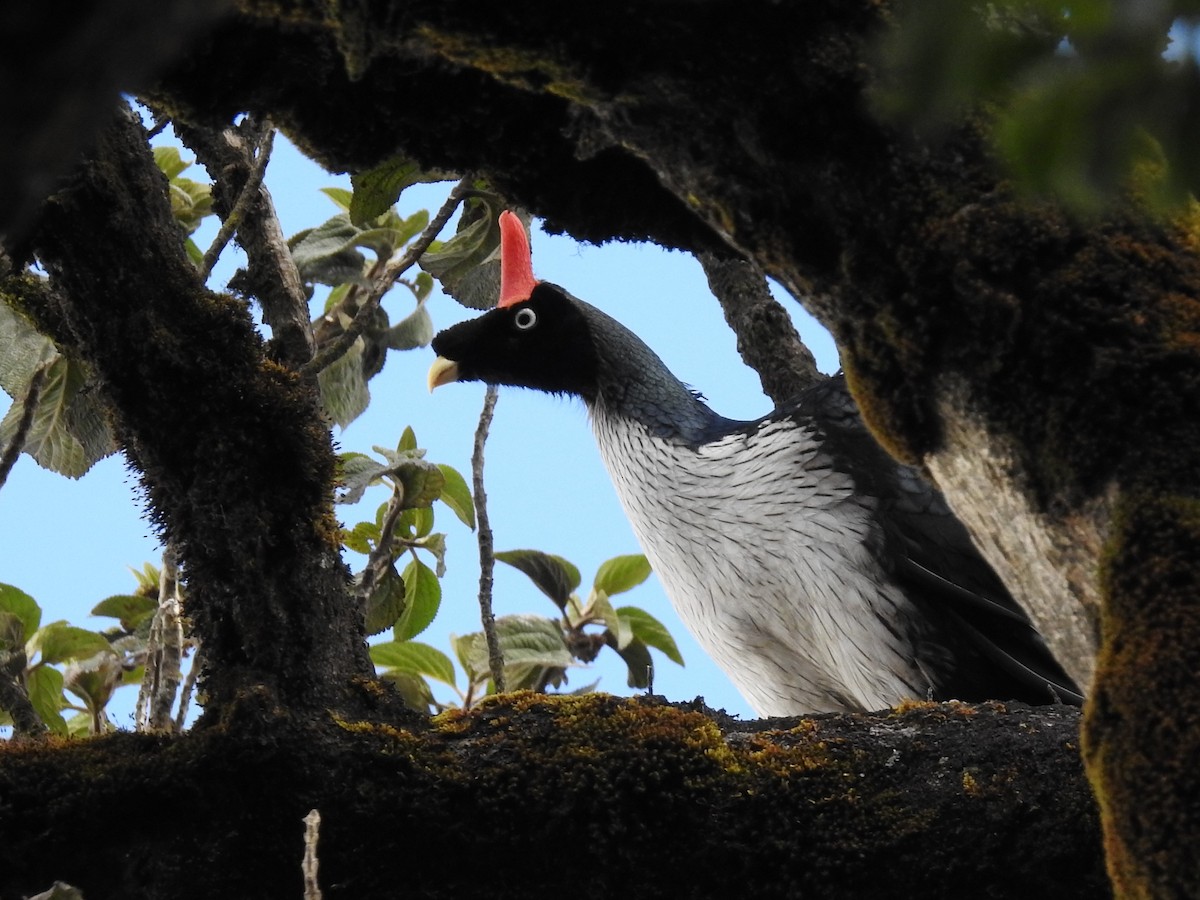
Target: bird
point(821, 574)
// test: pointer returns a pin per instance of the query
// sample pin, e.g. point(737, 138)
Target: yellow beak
point(443, 371)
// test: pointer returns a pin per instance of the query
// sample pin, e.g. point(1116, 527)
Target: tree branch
point(12, 452)
point(246, 208)
point(766, 337)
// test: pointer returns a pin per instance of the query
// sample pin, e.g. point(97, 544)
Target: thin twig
point(32, 392)
point(487, 559)
point(189, 688)
point(236, 215)
point(312, 834)
point(391, 272)
point(164, 654)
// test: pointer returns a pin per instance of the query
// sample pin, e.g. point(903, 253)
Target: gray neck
point(635, 383)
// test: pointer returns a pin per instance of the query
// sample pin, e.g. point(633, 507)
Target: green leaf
point(342, 197)
point(422, 482)
point(456, 495)
point(170, 161)
point(388, 602)
point(619, 574)
point(639, 664)
point(554, 576)
point(525, 640)
point(19, 604)
point(377, 190)
point(468, 265)
point(423, 593)
point(435, 544)
point(70, 429)
point(94, 679)
point(416, 522)
point(414, 330)
point(45, 687)
point(650, 631)
point(413, 690)
point(415, 658)
point(22, 350)
point(408, 440)
point(327, 253)
point(617, 626)
point(357, 472)
point(362, 538)
point(130, 609)
point(344, 392)
point(60, 642)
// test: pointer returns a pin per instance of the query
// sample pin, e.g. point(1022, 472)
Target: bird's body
point(820, 574)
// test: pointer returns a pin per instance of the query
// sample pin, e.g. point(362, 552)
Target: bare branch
point(487, 559)
point(248, 195)
point(766, 337)
point(312, 834)
point(246, 205)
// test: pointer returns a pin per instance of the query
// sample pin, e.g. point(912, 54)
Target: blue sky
point(69, 543)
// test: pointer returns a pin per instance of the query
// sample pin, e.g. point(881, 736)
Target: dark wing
point(974, 640)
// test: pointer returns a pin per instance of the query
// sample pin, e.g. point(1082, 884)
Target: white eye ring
point(525, 318)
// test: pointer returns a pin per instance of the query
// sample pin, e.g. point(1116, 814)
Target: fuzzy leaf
point(415, 658)
point(22, 350)
point(388, 602)
point(423, 593)
point(468, 265)
point(377, 190)
point(358, 472)
point(422, 482)
point(327, 253)
point(651, 632)
point(525, 640)
point(554, 576)
point(414, 330)
point(621, 573)
point(344, 392)
point(22, 607)
point(69, 432)
point(130, 609)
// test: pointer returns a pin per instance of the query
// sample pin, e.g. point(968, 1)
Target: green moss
point(1140, 730)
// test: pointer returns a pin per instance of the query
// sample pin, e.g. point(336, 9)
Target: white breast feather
point(759, 545)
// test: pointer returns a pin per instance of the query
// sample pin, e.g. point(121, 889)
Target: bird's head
point(538, 336)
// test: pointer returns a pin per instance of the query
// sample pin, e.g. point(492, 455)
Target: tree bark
point(589, 797)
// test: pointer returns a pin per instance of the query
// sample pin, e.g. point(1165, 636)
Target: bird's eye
point(525, 318)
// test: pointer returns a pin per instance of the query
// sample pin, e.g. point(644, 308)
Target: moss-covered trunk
point(233, 449)
point(588, 797)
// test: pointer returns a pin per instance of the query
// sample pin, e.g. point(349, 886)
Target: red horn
point(516, 261)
